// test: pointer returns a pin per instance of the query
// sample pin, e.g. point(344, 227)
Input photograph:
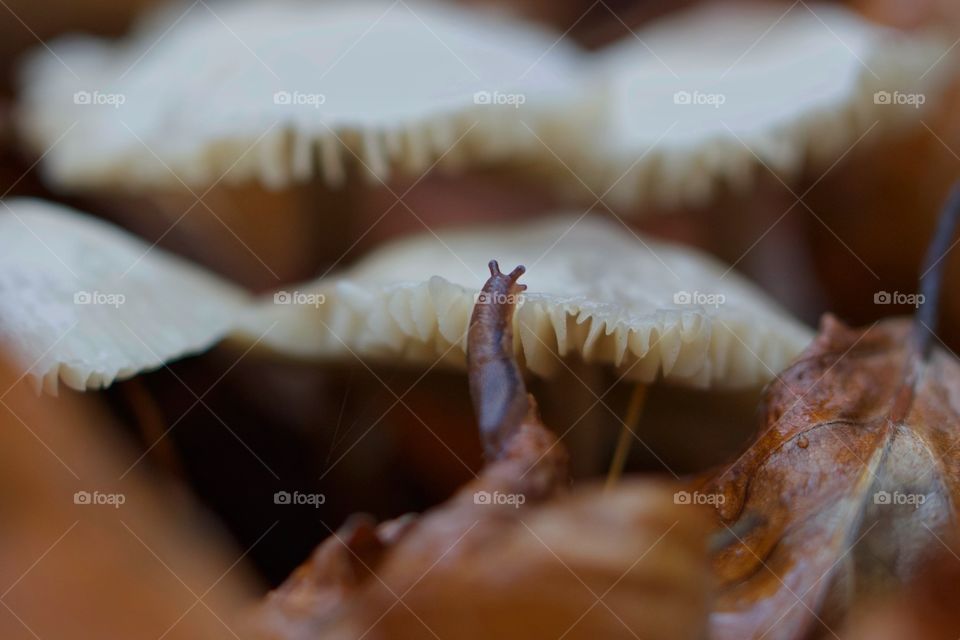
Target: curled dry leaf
point(511, 555)
point(855, 475)
point(593, 564)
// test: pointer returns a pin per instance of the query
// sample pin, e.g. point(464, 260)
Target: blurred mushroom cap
point(596, 291)
point(85, 302)
point(708, 95)
point(281, 91)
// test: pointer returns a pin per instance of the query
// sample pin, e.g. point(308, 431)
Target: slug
point(499, 396)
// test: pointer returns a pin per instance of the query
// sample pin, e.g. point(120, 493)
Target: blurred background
point(869, 219)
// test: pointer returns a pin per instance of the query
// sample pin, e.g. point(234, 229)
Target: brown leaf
point(591, 564)
point(95, 546)
point(855, 474)
point(626, 564)
point(925, 608)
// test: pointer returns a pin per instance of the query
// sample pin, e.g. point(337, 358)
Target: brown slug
point(499, 395)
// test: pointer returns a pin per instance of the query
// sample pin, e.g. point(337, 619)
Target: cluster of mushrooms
point(290, 110)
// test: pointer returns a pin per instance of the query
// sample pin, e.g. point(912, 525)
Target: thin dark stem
point(931, 278)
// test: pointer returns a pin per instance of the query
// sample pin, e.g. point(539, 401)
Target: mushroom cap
point(88, 303)
point(595, 290)
point(709, 94)
point(85, 302)
point(283, 90)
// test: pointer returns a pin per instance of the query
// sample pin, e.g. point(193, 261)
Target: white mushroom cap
point(711, 93)
point(285, 89)
point(596, 291)
point(280, 91)
point(85, 302)
point(88, 303)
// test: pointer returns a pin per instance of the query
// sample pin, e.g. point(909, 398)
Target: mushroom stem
point(627, 431)
point(149, 421)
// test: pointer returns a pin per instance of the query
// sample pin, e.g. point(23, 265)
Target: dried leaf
point(95, 546)
point(924, 608)
point(477, 571)
point(855, 473)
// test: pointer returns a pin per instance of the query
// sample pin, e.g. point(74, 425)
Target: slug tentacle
point(499, 395)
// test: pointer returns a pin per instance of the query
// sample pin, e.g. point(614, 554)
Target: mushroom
point(88, 303)
point(91, 304)
point(704, 96)
point(650, 119)
point(280, 91)
point(596, 291)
